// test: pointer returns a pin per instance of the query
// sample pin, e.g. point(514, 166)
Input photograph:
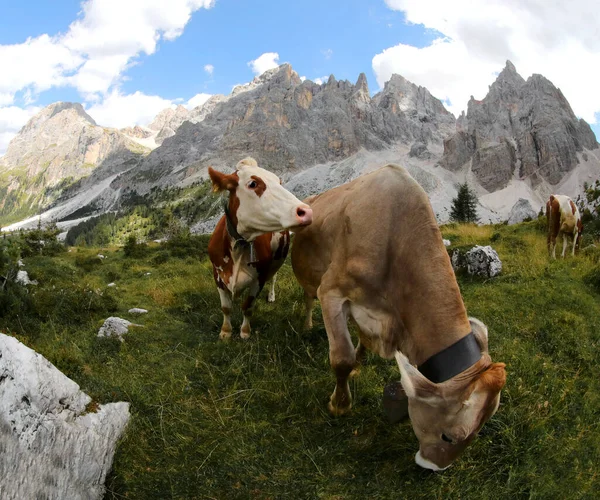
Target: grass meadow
point(248, 419)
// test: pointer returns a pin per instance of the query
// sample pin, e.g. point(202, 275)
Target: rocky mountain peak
point(509, 76)
point(521, 130)
point(59, 107)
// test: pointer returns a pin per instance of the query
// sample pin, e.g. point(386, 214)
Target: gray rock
point(110, 285)
point(22, 278)
point(52, 444)
point(137, 310)
point(115, 327)
point(447, 243)
point(419, 149)
point(483, 261)
point(520, 211)
point(478, 261)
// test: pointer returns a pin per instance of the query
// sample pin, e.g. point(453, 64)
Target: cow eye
point(446, 438)
point(252, 184)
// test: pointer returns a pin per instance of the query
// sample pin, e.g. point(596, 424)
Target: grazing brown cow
point(374, 253)
point(250, 242)
point(563, 219)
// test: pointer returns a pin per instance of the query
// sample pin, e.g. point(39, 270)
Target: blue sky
point(127, 59)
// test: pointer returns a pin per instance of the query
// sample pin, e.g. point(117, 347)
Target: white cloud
point(265, 62)
point(197, 100)
point(321, 80)
point(92, 55)
point(558, 40)
point(12, 118)
point(209, 68)
point(124, 110)
point(327, 53)
point(97, 47)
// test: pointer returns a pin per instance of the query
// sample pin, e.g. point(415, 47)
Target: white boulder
point(50, 446)
point(137, 310)
point(115, 327)
point(23, 279)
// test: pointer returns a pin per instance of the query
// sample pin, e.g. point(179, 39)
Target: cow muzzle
point(304, 215)
point(426, 464)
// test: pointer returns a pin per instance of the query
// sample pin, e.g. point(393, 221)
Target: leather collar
point(238, 239)
point(453, 360)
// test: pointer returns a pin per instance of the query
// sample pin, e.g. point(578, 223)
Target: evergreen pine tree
point(464, 206)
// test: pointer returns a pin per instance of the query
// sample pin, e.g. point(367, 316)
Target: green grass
point(249, 420)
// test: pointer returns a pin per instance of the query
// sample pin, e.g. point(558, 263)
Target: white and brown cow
point(251, 241)
point(563, 219)
point(374, 253)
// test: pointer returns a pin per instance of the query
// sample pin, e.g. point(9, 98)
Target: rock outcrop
point(57, 147)
point(54, 442)
point(291, 124)
point(521, 210)
point(520, 130)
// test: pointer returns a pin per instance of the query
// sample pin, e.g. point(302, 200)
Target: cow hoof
point(355, 372)
point(224, 335)
point(336, 411)
point(271, 298)
point(245, 335)
point(308, 325)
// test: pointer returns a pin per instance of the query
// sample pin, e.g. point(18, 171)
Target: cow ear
point(494, 378)
point(415, 384)
point(221, 181)
point(481, 333)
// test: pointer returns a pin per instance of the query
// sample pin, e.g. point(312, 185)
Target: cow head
point(258, 203)
point(447, 416)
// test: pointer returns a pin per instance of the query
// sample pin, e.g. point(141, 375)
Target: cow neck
point(452, 360)
point(434, 313)
point(238, 240)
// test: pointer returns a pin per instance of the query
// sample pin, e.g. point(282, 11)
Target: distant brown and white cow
point(251, 241)
point(563, 219)
point(374, 253)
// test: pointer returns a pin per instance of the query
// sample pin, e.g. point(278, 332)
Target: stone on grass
point(478, 261)
point(53, 442)
point(115, 327)
point(447, 243)
point(110, 285)
point(137, 310)
point(483, 261)
point(23, 279)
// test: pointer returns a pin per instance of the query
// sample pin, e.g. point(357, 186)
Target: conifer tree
point(464, 206)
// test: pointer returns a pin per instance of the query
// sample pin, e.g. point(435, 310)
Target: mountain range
point(521, 141)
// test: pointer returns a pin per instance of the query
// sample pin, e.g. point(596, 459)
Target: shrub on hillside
point(40, 241)
point(187, 245)
point(134, 249)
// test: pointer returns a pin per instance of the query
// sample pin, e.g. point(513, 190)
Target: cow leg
point(271, 296)
point(253, 292)
point(553, 245)
point(226, 304)
point(341, 352)
point(564, 245)
point(309, 302)
point(359, 354)
point(575, 234)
